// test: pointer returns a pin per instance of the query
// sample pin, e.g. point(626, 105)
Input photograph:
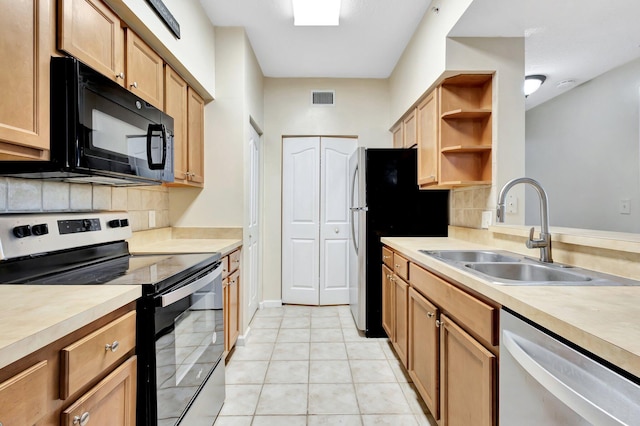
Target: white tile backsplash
point(24, 195)
point(55, 196)
point(80, 197)
point(31, 195)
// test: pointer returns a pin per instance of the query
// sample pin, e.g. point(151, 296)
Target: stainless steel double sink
point(505, 268)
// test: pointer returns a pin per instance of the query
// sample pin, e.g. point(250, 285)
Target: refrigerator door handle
point(354, 209)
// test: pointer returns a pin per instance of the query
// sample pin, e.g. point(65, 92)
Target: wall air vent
point(323, 97)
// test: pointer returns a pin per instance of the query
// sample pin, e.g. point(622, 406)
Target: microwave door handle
point(150, 132)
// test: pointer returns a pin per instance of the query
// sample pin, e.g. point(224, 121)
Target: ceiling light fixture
point(533, 83)
point(316, 12)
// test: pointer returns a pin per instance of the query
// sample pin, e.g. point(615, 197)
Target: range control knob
point(22, 231)
point(41, 229)
point(115, 223)
point(124, 222)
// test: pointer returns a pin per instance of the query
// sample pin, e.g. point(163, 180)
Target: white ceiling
point(566, 39)
point(367, 44)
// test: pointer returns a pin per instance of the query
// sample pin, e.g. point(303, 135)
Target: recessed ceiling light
point(316, 12)
point(533, 83)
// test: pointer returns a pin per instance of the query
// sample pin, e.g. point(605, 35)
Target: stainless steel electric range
point(180, 337)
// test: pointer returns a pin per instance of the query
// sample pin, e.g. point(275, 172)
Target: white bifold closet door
point(315, 220)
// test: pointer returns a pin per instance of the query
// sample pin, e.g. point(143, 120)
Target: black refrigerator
point(385, 202)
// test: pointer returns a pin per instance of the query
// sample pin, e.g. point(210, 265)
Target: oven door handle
point(189, 289)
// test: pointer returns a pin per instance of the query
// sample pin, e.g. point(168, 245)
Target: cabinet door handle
point(82, 420)
point(431, 314)
point(134, 85)
point(439, 323)
point(112, 347)
point(121, 75)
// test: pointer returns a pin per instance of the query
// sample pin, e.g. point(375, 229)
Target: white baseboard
point(243, 338)
point(270, 304)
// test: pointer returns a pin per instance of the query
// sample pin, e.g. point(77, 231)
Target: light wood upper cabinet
point(427, 119)
point(90, 31)
point(424, 346)
point(195, 132)
point(409, 130)
point(187, 109)
point(468, 377)
point(465, 130)
point(145, 70)
point(175, 104)
point(25, 32)
point(398, 139)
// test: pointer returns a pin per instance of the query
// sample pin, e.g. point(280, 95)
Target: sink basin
point(470, 256)
point(528, 273)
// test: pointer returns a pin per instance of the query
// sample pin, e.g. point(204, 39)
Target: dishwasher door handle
point(571, 397)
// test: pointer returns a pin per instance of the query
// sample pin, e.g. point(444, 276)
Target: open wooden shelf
point(466, 113)
point(465, 148)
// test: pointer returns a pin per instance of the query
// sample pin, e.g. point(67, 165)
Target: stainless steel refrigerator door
point(357, 246)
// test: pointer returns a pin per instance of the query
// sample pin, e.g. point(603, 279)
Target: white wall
point(583, 147)
point(424, 58)
point(221, 203)
point(362, 109)
point(193, 55)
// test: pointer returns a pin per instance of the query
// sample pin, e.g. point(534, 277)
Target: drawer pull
point(431, 314)
point(112, 347)
point(81, 420)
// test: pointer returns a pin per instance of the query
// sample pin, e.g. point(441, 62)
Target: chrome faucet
point(544, 242)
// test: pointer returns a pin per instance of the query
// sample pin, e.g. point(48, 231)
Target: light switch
point(152, 218)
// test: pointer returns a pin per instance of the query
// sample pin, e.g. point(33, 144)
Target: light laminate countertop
point(602, 320)
point(186, 245)
point(33, 316)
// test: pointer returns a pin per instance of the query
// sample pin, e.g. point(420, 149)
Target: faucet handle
point(533, 243)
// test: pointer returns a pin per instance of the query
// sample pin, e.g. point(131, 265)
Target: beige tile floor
point(310, 366)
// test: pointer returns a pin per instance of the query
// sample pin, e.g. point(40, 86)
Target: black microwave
point(100, 133)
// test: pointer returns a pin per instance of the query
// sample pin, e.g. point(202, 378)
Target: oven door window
point(188, 346)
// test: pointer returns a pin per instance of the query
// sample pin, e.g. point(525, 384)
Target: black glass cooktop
point(86, 268)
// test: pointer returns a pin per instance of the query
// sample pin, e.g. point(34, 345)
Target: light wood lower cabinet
point(468, 377)
point(388, 303)
point(76, 377)
point(110, 402)
point(424, 350)
point(231, 296)
point(447, 338)
point(401, 299)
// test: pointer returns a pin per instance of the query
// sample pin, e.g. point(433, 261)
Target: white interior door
point(300, 220)
point(254, 228)
point(334, 219)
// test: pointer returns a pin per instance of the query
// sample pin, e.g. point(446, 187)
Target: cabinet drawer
point(387, 257)
point(110, 402)
point(473, 314)
point(225, 266)
point(234, 260)
point(401, 266)
point(23, 398)
point(90, 356)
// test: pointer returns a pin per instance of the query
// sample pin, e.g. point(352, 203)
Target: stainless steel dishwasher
point(546, 382)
